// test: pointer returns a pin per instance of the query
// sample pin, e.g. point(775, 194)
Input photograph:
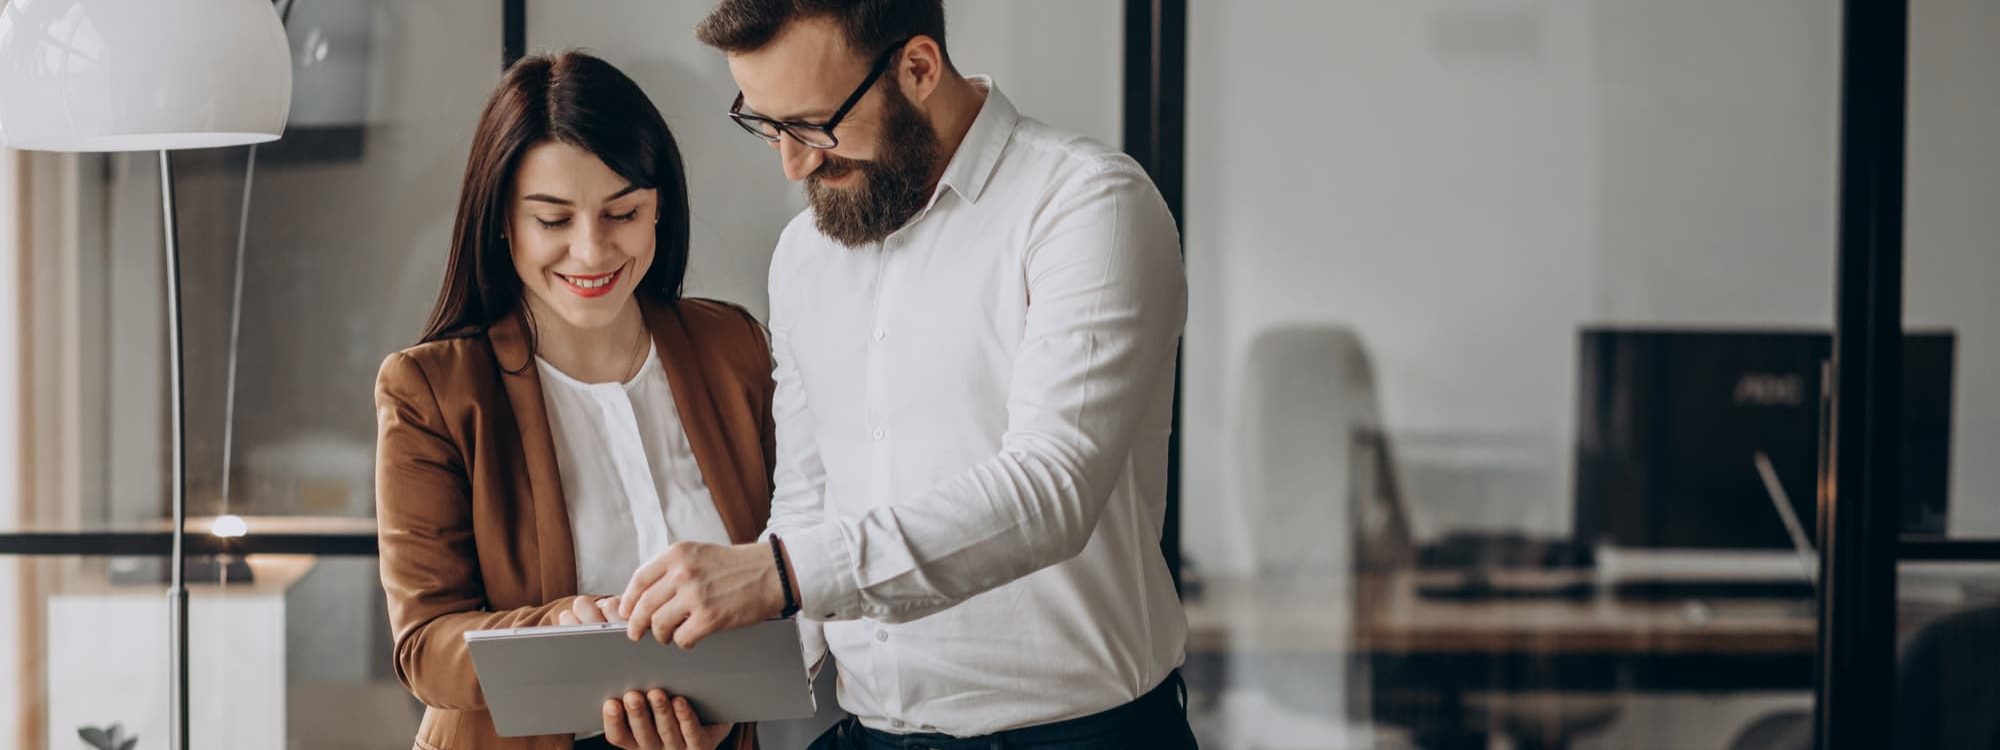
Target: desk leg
point(1454, 722)
point(1430, 703)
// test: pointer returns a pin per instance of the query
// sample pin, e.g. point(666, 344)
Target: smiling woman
point(568, 415)
point(556, 126)
point(581, 236)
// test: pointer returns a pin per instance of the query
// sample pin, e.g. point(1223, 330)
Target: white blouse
point(628, 474)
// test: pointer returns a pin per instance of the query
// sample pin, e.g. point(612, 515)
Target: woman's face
point(581, 236)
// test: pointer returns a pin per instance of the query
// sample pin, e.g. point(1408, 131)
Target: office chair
point(1306, 393)
point(1947, 684)
point(1322, 494)
point(1789, 729)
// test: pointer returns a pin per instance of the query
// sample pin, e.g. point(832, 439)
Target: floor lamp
point(147, 75)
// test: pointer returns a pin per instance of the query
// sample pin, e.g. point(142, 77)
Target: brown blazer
point(474, 532)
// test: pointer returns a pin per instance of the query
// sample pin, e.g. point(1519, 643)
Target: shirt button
point(897, 723)
point(881, 636)
point(896, 241)
point(881, 334)
point(880, 433)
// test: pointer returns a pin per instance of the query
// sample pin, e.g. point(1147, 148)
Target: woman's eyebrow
point(546, 198)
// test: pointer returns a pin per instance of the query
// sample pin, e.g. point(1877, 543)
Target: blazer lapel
point(549, 536)
point(701, 421)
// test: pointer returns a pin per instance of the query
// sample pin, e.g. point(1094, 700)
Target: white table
point(107, 655)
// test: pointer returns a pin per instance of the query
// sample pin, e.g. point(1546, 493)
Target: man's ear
point(921, 68)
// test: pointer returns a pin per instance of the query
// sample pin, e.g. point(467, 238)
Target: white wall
point(1952, 215)
point(1466, 183)
point(1060, 61)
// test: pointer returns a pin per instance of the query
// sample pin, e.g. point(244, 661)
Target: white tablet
point(554, 680)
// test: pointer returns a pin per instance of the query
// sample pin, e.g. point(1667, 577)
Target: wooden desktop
point(1389, 615)
point(1443, 666)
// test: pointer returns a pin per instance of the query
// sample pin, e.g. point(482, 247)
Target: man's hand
point(694, 590)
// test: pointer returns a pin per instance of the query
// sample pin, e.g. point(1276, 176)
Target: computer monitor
point(1670, 422)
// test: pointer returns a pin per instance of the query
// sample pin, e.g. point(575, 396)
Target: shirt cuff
point(824, 571)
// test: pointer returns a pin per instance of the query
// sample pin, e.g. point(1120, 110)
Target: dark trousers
point(1156, 721)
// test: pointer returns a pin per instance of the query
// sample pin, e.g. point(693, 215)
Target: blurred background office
point(1502, 374)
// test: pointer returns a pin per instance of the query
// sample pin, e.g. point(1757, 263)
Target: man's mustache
point(834, 167)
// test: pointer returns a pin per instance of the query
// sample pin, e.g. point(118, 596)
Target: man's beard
point(894, 185)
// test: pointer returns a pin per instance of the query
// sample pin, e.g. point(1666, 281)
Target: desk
point(1426, 657)
point(1389, 616)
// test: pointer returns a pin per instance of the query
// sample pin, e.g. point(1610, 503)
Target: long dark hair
point(576, 99)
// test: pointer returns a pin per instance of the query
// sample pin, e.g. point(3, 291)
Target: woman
point(567, 415)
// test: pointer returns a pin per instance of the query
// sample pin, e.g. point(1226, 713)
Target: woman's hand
point(657, 721)
point(601, 609)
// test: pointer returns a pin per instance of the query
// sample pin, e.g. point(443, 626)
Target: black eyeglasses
point(815, 135)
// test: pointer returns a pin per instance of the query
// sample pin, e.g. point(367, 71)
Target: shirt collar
point(972, 165)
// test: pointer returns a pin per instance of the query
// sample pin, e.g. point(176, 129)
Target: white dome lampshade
point(142, 75)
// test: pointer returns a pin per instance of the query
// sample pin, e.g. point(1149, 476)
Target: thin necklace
point(638, 355)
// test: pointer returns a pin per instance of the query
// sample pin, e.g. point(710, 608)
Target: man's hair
point(870, 26)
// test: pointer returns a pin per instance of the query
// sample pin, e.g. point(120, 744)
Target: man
point(974, 327)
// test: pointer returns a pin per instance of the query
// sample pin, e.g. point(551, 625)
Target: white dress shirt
point(972, 437)
point(628, 473)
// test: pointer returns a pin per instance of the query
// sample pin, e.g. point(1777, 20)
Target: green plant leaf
point(96, 737)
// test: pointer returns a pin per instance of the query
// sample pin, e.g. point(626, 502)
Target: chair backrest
point(1316, 474)
point(1316, 489)
point(1787, 729)
point(1948, 683)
